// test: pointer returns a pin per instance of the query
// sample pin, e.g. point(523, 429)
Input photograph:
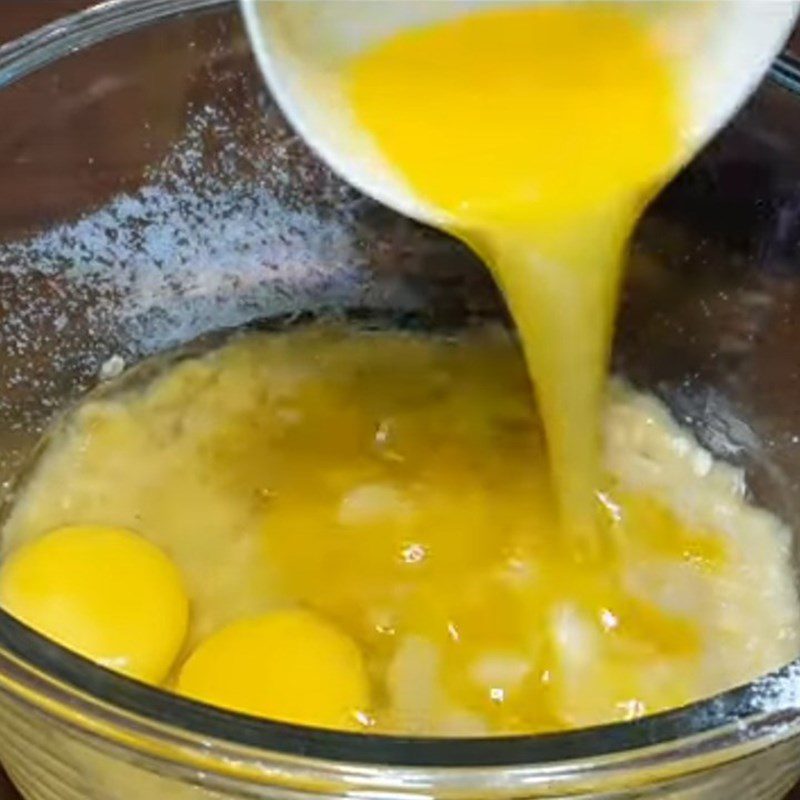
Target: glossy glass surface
point(152, 194)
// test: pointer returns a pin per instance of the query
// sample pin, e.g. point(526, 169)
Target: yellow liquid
point(539, 132)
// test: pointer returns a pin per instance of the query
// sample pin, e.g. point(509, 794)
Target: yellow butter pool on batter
point(539, 132)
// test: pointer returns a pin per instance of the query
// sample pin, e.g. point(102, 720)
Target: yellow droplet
point(288, 665)
point(106, 593)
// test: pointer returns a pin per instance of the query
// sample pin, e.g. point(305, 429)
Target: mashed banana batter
point(363, 528)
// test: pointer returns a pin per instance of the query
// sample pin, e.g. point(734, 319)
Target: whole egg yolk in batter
point(287, 665)
point(106, 593)
point(538, 133)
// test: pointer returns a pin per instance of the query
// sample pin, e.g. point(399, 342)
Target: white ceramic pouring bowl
point(723, 49)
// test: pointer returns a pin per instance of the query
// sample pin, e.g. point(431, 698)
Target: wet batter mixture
point(363, 533)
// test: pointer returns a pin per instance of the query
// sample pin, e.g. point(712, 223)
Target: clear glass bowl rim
point(98, 704)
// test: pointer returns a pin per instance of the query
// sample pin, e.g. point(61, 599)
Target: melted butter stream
point(539, 132)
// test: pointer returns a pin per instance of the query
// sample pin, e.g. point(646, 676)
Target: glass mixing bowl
point(152, 194)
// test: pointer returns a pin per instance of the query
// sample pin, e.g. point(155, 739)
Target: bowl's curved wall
point(152, 194)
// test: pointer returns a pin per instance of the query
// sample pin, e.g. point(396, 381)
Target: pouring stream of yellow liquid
point(539, 133)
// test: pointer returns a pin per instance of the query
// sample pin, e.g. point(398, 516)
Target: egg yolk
point(287, 665)
point(105, 593)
